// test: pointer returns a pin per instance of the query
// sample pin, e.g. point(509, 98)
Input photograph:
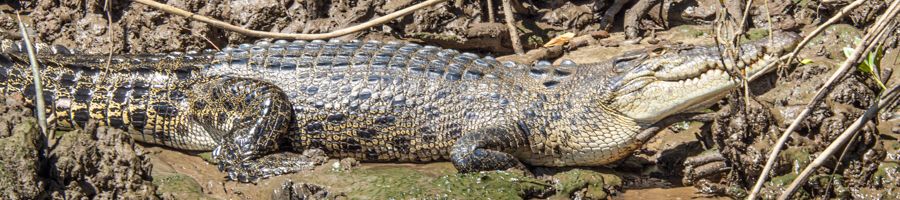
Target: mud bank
point(101, 162)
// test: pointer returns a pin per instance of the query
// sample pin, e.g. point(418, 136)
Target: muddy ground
point(100, 162)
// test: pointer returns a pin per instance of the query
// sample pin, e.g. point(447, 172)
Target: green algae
point(783, 180)
point(407, 183)
point(757, 33)
point(886, 174)
point(691, 31)
point(594, 184)
point(179, 186)
point(206, 156)
point(799, 157)
point(441, 181)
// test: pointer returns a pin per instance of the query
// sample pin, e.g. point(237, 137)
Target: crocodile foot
point(245, 168)
point(246, 117)
point(485, 150)
point(709, 165)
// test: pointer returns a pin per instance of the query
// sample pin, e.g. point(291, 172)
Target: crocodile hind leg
point(246, 118)
point(487, 149)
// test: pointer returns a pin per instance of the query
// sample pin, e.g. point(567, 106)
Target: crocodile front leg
point(245, 117)
point(487, 149)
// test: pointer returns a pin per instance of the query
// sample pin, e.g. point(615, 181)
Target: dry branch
point(490, 11)
point(36, 77)
point(264, 34)
point(510, 23)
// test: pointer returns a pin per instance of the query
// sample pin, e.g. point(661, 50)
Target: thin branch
point(510, 23)
point(829, 85)
point(836, 145)
point(109, 39)
point(736, 54)
point(36, 77)
point(264, 34)
point(201, 36)
point(744, 17)
point(490, 11)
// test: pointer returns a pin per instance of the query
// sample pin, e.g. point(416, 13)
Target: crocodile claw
point(234, 164)
point(247, 168)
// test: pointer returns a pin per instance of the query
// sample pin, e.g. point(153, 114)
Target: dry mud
point(96, 162)
point(104, 163)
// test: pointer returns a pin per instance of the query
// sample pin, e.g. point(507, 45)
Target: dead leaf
point(560, 40)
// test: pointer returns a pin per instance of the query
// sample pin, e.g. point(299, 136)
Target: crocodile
point(383, 101)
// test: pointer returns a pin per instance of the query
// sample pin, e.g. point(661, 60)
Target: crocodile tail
point(128, 91)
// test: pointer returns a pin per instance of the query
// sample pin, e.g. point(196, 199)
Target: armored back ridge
point(370, 100)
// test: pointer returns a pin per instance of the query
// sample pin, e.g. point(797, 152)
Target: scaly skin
point(383, 102)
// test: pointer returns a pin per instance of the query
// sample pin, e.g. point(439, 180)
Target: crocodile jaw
point(675, 82)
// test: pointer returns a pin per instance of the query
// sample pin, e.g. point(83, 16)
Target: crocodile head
point(652, 86)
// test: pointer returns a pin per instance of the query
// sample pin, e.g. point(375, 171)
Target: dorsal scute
point(10, 46)
point(414, 59)
point(549, 74)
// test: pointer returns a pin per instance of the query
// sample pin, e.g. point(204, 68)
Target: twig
point(36, 77)
point(109, 39)
point(829, 85)
point(202, 37)
point(264, 34)
point(836, 145)
point(510, 23)
point(210, 42)
point(744, 17)
point(490, 11)
point(769, 21)
point(740, 33)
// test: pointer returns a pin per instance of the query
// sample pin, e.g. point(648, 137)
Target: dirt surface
point(104, 163)
point(92, 163)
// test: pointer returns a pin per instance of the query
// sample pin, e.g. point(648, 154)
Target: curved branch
point(265, 34)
